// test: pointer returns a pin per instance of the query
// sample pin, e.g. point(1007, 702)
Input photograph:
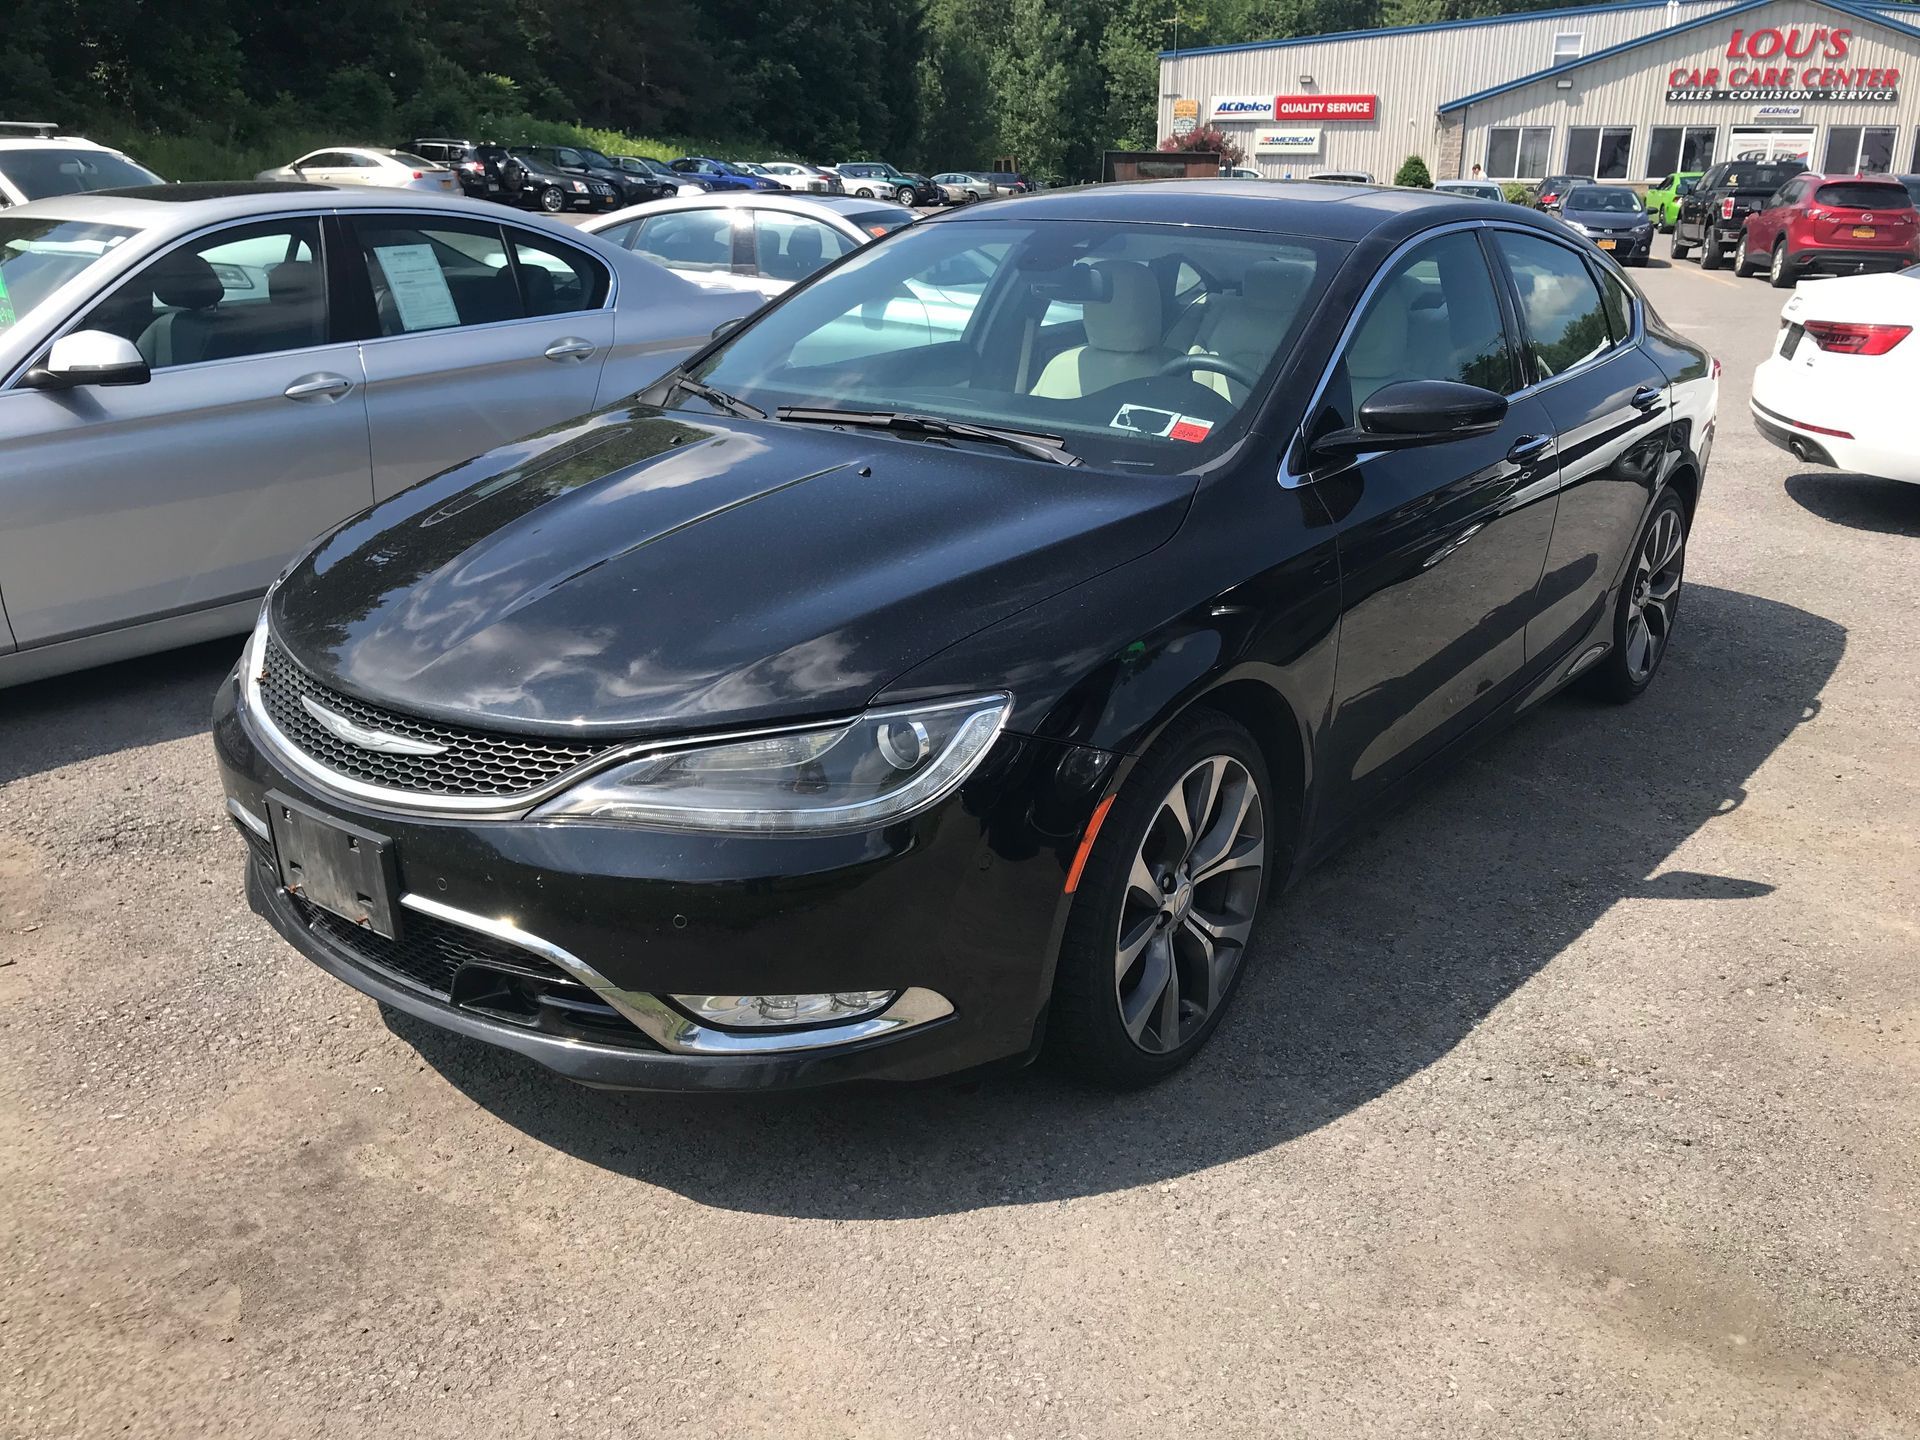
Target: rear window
point(1858, 195)
point(882, 219)
point(1761, 177)
point(37, 174)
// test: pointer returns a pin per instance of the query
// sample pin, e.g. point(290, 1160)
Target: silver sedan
point(195, 380)
point(758, 241)
point(367, 165)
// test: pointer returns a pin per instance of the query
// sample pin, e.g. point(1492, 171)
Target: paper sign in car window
point(1161, 424)
point(418, 286)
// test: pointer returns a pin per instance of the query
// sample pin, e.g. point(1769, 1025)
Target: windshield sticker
point(1161, 424)
point(418, 286)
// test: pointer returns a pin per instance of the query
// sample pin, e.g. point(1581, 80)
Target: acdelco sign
point(1242, 107)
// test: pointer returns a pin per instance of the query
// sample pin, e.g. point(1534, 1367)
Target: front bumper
point(1625, 246)
point(959, 908)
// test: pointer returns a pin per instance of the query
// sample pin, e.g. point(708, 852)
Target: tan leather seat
point(1123, 337)
point(1247, 331)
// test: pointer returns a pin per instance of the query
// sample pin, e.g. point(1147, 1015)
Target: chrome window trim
point(1290, 479)
point(673, 1031)
point(274, 741)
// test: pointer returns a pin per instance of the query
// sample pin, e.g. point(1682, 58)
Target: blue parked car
point(721, 175)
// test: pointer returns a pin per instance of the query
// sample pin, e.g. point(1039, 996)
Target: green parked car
point(1663, 200)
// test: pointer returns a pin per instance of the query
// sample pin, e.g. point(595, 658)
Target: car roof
point(196, 203)
point(1335, 209)
point(10, 141)
point(793, 202)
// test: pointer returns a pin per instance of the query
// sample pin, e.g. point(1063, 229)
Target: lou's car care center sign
point(1796, 64)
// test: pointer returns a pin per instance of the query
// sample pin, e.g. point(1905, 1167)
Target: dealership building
point(1626, 93)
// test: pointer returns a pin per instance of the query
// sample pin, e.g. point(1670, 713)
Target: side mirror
point(1412, 413)
point(89, 357)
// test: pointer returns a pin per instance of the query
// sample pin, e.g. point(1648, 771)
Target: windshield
point(1606, 202)
point(1140, 345)
point(38, 256)
point(881, 219)
point(598, 161)
point(37, 174)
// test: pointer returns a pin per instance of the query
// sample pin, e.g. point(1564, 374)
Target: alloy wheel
point(1189, 904)
point(1740, 257)
point(1656, 593)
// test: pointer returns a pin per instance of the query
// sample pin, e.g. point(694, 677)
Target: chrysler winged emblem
point(384, 742)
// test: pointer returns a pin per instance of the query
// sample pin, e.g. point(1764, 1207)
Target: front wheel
point(1155, 943)
point(1648, 606)
point(552, 200)
point(1676, 247)
point(863, 193)
point(904, 195)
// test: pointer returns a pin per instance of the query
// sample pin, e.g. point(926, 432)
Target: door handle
point(1529, 447)
point(318, 386)
point(1647, 397)
point(571, 348)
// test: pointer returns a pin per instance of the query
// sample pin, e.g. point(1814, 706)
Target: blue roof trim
point(1856, 12)
point(1428, 28)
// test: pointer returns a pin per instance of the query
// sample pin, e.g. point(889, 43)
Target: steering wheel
point(1218, 365)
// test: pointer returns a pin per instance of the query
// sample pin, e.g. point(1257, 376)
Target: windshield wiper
point(1026, 442)
point(717, 398)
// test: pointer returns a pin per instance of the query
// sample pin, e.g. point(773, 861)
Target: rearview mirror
point(89, 357)
point(1411, 413)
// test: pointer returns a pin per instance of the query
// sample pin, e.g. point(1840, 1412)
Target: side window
point(571, 158)
point(791, 247)
point(620, 235)
point(557, 279)
point(688, 239)
point(245, 290)
point(1560, 307)
point(1619, 301)
point(325, 160)
point(433, 274)
point(1436, 316)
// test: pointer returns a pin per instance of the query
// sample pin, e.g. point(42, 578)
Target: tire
point(1711, 257)
point(1676, 247)
point(1780, 273)
point(904, 196)
point(1658, 570)
point(1202, 757)
point(1742, 261)
point(553, 200)
point(863, 193)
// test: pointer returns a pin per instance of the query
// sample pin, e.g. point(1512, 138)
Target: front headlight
point(580, 187)
point(884, 766)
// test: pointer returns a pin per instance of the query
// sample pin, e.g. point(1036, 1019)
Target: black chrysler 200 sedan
point(952, 659)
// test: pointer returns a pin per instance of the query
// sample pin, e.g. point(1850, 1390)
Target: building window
point(1859, 150)
point(1914, 169)
point(1673, 148)
point(1567, 45)
point(1518, 153)
point(1600, 152)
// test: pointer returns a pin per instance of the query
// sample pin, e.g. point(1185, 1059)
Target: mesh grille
point(475, 762)
point(429, 952)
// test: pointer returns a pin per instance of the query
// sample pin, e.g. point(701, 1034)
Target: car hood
point(639, 572)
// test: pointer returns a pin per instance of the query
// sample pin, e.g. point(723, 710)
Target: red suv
point(1830, 225)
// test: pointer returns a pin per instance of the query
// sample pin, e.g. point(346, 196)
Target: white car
point(36, 161)
point(758, 241)
point(1471, 189)
point(1839, 387)
point(195, 380)
point(366, 165)
point(805, 178)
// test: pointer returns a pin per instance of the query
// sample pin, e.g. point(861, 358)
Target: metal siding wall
point(1631, 89)
point(1414, 74)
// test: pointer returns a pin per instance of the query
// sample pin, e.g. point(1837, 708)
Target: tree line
point(930, 84)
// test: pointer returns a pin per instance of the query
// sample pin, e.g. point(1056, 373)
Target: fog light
point(748, 1012)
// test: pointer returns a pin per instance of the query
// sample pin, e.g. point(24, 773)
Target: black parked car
point(954, 656)
point(1552, 191)
point(577, 160)
point(486, 171)
point(540, 186)
point(1713, 215)
point(656, 174)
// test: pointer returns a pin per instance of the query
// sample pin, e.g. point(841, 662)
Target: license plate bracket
point(339, 867)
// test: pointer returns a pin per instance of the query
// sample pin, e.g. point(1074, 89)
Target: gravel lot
point(1577, 1098)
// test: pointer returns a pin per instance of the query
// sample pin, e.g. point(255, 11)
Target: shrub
point(1413, 171)
point(1207, 137)
point(1516, 192)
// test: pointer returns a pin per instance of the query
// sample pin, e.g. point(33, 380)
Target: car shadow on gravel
point(1376, 966)
point(1862, 502)
point(70, 718)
